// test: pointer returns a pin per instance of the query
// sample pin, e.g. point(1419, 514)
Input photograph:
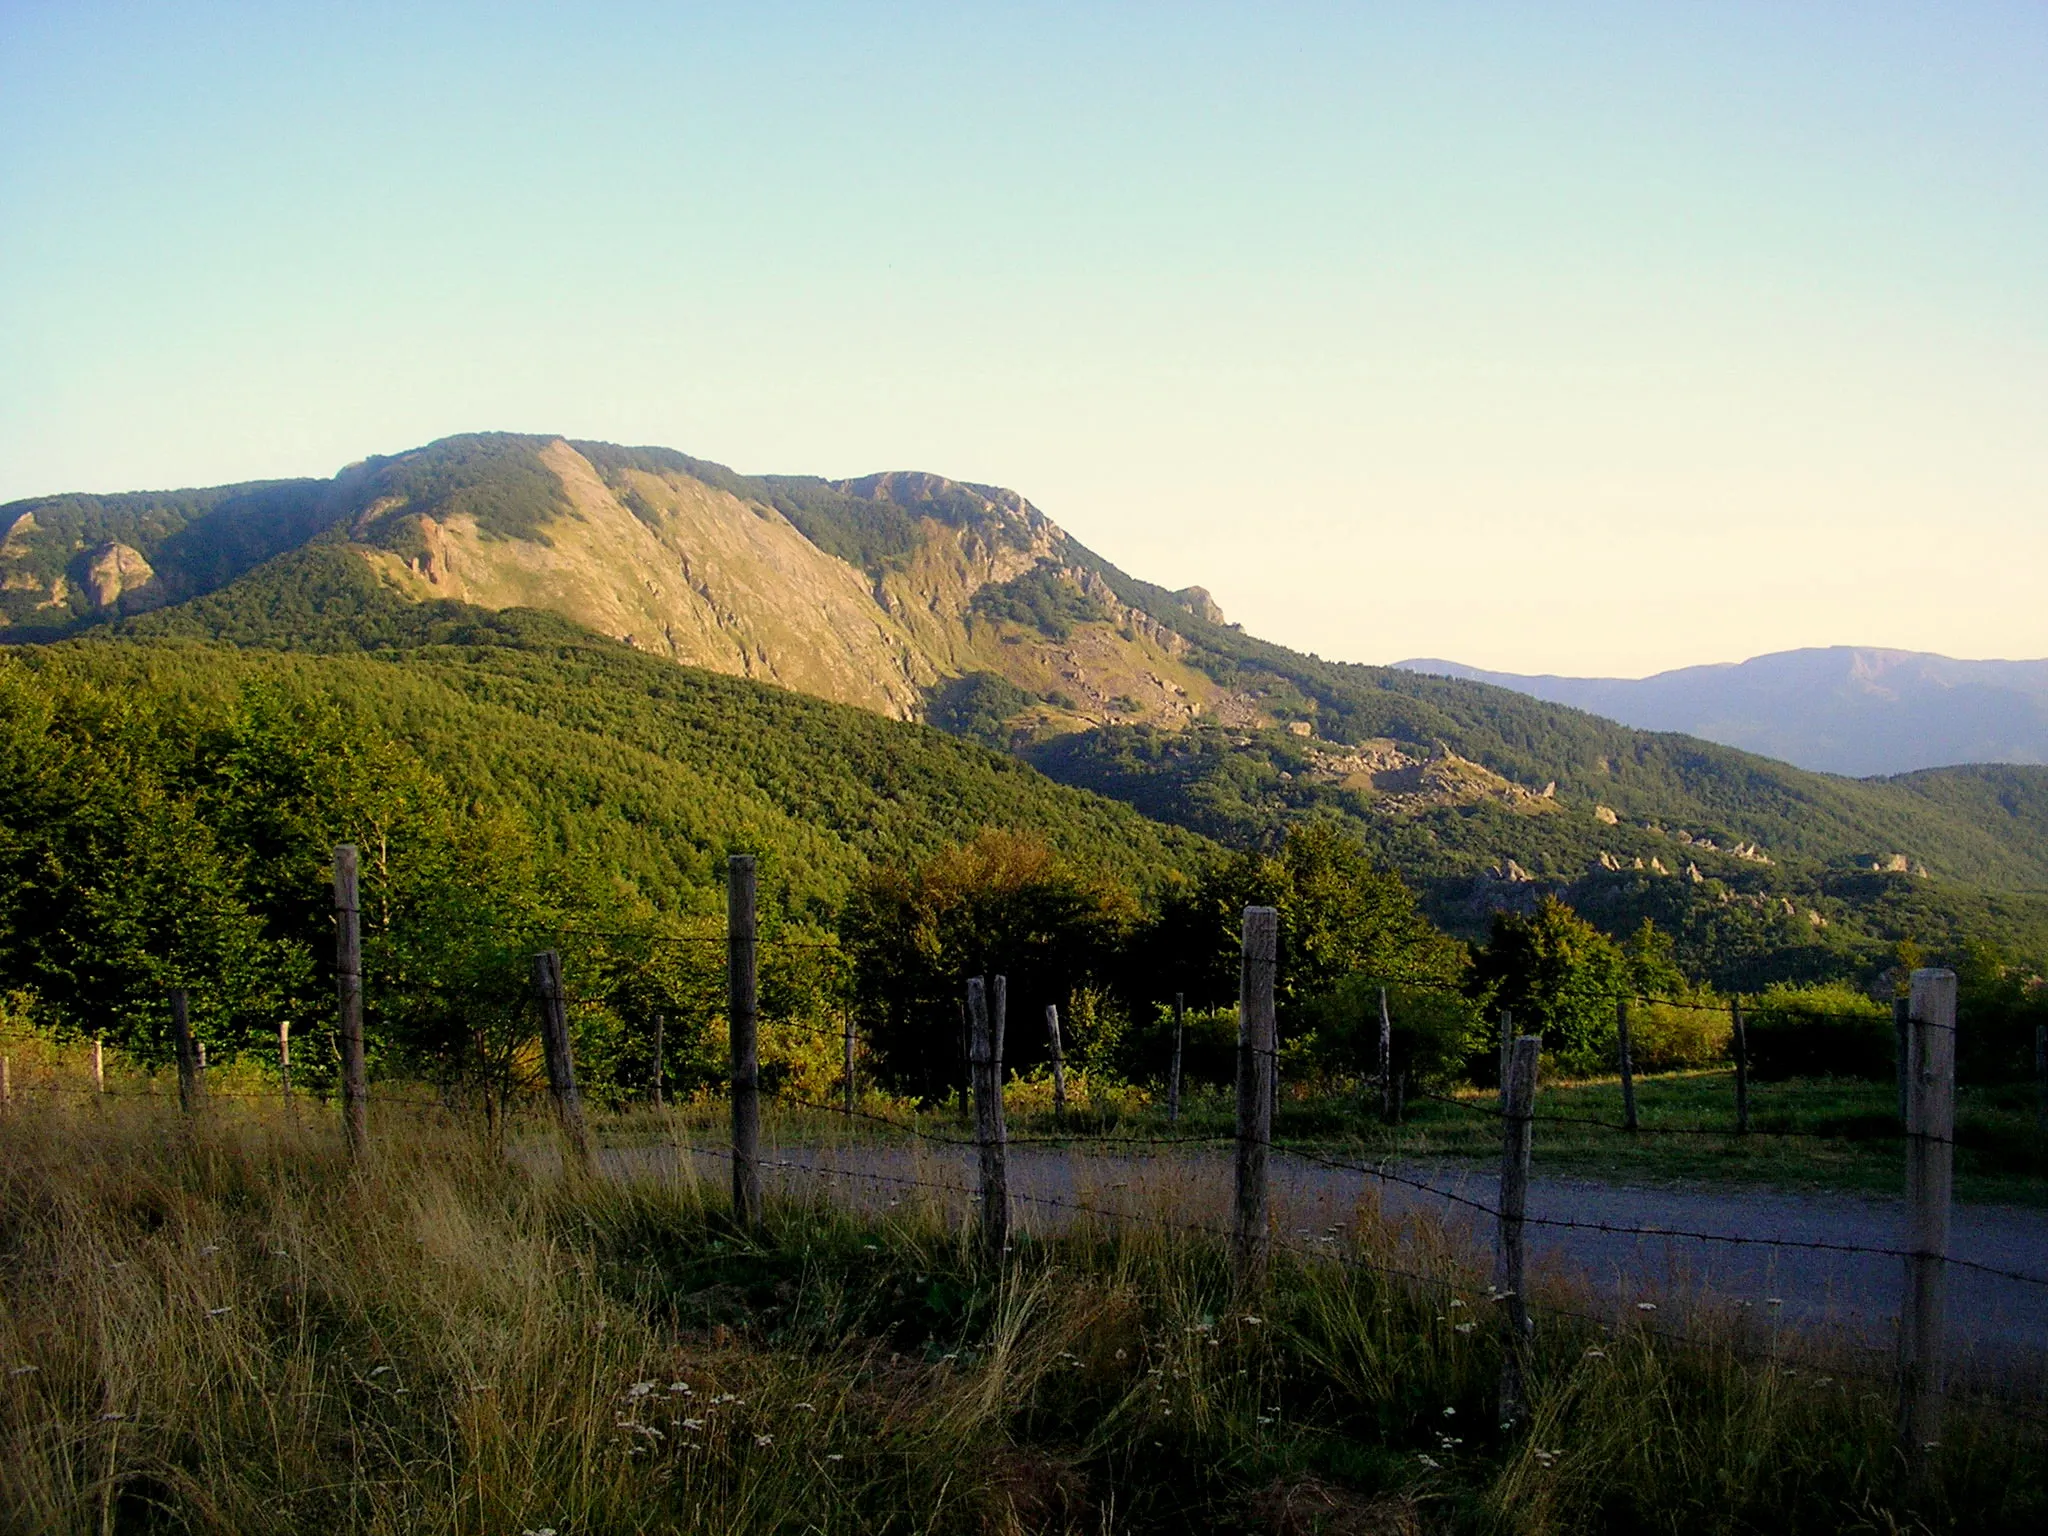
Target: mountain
point(1841, 709)
point(923, 599)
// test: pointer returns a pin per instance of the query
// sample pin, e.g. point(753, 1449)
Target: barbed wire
point(1352, 1259)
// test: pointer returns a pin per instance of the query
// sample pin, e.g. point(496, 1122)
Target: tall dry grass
point(217, 1326)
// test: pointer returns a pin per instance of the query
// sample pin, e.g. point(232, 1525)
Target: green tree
point(1562, 978)
point(1002, 904)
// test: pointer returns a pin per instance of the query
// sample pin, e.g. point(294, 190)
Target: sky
point(1543, 337)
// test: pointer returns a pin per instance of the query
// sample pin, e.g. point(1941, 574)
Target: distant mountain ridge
point(1851, 710)
point(962, 606)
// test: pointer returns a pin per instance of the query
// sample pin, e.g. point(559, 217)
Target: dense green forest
point(180, 769)
point(1744, 923)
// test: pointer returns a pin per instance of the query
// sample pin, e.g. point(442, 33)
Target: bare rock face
point(111, 572)
point(1657, 867)
point(1605, 817)
point(1198, 602)
point(1891, 864)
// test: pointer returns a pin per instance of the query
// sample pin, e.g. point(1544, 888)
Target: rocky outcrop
point(113, 571)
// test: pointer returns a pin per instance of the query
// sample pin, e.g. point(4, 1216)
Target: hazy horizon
point(1590, 341)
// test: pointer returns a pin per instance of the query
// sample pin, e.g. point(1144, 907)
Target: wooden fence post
point(660, 1054)
point(1518, 1114)
point(743, 1027)
point(2041, 1077)
point(561, 1058)
point(99, 1065)
point(999, 1010)
point(6, 1081)
point(348, 980)
point(284, 1059)
point(846, 1051)
point(1386, 1061)
point(966, 1063)
point(1902, 1012)
point(1628, 1066)
point(1930, 1178)
point(990, 1137)
point(1173, 1079)
point(1059, 1065)
point(189, 1086)
point(1741, 1037)
point(1257, 960)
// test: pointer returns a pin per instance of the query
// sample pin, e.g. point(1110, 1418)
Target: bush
point(1667, 1037)
point(1435, 1032)
point(1829, 1030)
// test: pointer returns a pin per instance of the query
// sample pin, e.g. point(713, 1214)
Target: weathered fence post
point(1518, 1113)
point(99, 1065)
point(6, 1081)
point(348, 981)
point(189, 1086)
point(561, 1057)
point(2041, 1077)
point(660, 1054)
point(1930, 1178)
point(1173, 1079)
point(743, 1028)
point(1741, 1037)
point(966, 1063)
point(1386, 1060)
point(1628, 1066)
point(1059, 1065)
point(284, 1059)
point(1902, 1012)
point(990, 1138)
point(846, 1051)
point(1257, 960)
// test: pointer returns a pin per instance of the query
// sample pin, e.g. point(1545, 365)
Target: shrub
point(1829, 1030)
point(1666, 1037)
point(1435, 1032)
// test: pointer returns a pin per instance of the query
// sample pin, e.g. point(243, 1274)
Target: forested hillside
point(488, 561)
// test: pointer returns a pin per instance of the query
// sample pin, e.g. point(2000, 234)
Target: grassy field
point(218, 1327)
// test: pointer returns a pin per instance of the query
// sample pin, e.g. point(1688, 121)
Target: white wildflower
point(764, 1441)
point(1464, 1327)
point(640, 1389)
point(1429, 1463)
point(1646, 1306)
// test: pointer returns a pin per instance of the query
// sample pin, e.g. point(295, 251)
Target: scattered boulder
point(1657, 867)
point(1605, 817)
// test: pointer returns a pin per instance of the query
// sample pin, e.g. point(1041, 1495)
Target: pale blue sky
point(1546, 337)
